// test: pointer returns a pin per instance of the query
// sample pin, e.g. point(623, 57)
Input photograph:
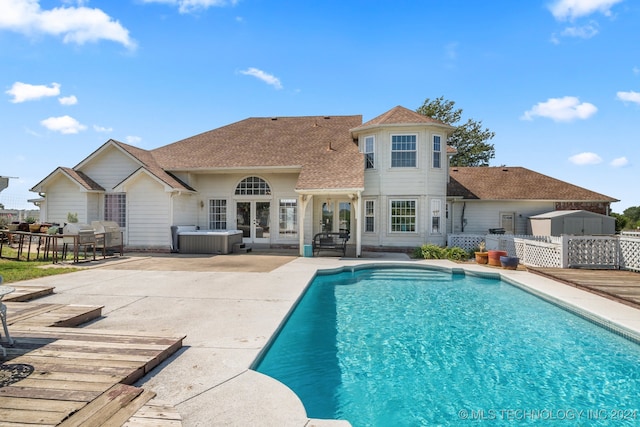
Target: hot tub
point(207, 241)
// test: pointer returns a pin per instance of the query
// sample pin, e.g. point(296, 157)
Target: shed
point(574, 222)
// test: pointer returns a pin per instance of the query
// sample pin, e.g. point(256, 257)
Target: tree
point(469, 139)
point(633, 213)
point(621, 221)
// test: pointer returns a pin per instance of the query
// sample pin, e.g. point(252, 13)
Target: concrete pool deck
point(228, 315)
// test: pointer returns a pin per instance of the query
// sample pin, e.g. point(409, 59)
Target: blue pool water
point(411, 347)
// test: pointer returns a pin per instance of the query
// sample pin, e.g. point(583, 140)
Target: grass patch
point(15, 271)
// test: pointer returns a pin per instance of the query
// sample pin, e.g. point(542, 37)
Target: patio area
point(227, 308)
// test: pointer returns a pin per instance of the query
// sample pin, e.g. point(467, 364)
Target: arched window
point(253, 186)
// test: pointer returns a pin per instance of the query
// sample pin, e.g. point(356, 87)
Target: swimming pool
point(408, 346)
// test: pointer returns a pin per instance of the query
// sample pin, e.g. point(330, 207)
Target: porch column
point(358, 209)
point(304, 200)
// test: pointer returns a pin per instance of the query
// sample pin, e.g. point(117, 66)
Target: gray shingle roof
point(514, 183)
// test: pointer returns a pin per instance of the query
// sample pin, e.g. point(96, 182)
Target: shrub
point(456, 254)
point(429, 251)
point(432, 252)
point(417, 252)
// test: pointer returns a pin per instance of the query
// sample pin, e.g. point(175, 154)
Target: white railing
point(539, 253)
point(630, 251)
point(615, 252)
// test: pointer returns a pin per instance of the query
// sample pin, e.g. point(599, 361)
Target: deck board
point(80, 376)
point(43, 314)
point(619, 285)
point(27, 293)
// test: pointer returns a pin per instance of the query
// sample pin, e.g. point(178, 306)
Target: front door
point(253, 219)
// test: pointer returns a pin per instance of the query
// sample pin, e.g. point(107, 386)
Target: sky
point(558, 81)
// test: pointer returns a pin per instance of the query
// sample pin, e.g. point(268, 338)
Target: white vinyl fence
point(597, 252)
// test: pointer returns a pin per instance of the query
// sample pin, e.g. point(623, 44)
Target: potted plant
point(482, 256)
point(509, 262)
point(34, 227)
point(494, 257)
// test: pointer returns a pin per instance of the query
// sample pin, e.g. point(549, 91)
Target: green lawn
point(14, 271)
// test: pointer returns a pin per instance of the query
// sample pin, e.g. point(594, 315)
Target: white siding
point(482, 215)
point(63, 197)
point(185, 209)
point(94, 207)
point(110, 168)
point(422, 184)
point(148, 214)
point(223, 186)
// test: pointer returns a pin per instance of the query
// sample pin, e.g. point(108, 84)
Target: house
point(281, 180)
point(484, 198)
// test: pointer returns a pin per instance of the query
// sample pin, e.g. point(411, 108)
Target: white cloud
point(68, 100)
point(636, 70)
point(563, 109)
point(585, 159)
point(265, 77)
point(102, 129)
point(630, 96)
point(133, 139)
point(571, 9)
point(63, 124)
point(451, 50)
point(22, 92)
point(583, 32)
point(75, 24)
point(186, 6)
point(619, 162)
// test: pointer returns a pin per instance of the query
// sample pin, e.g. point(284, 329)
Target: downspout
point(464, 204)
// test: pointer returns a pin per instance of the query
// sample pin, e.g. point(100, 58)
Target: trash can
point(308, 251)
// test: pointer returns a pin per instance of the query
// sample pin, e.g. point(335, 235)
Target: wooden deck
point(78, 376)
point(620, 285)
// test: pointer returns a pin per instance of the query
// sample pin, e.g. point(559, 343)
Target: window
point(403, 216)
point(217, 214)
point(436, 206)
point(403, 151)
point(288, 213)
point(344, 217)
point(369, 216)
point(253, 186)
point(369, 152)
point(437, 151)
point(115, 208)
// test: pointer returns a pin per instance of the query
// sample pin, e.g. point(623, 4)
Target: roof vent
point(274, 118)
point(327, 117)
point(505, 169)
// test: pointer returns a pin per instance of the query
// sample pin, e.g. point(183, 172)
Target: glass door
point(253, 219)
point(262, 221)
